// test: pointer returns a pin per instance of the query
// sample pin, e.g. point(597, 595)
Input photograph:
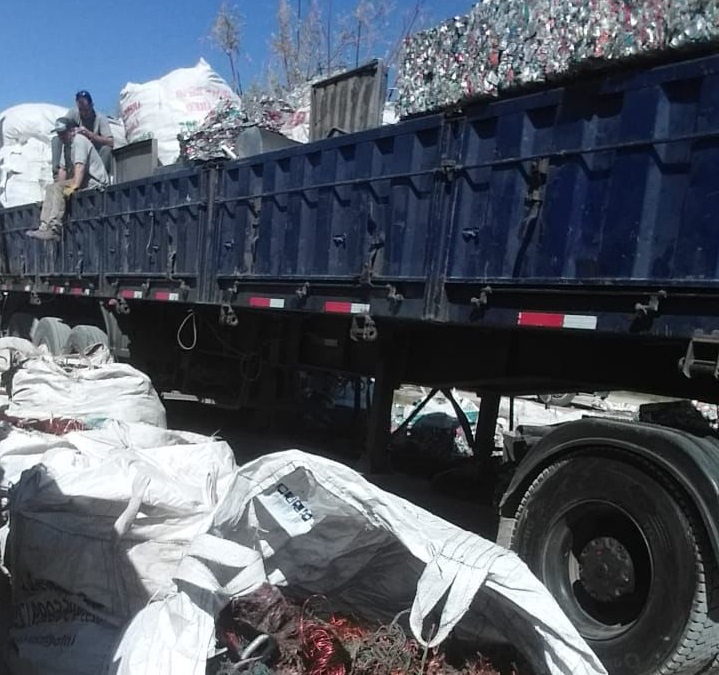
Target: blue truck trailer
point(558, 240)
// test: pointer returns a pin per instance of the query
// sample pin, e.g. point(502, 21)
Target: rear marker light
point(267, 303)
point(549, 320)
point(346, 308)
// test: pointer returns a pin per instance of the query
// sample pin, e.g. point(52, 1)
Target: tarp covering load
point(174, 103)
point(506, 44)
point(160, 530)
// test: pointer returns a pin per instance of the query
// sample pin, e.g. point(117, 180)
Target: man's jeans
point(53, 206)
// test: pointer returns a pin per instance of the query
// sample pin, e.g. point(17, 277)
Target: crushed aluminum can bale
point(692, 22)
point(216, 135)
point(501, 45)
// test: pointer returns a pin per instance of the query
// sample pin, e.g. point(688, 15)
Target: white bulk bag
point(28, 120)
point(163, 108)
point(14, 349)
point(117, 128)
point(24, 172)
point(138, 522)
point(97, 530)
point(322, 529)
point(42, 388)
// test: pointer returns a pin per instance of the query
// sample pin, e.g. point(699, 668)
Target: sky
point(52, 49)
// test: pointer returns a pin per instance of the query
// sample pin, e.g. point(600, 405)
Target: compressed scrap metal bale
point(220, 128)
point(434, 69)
point(219, 131)
point(501, 45)
point(692, 22)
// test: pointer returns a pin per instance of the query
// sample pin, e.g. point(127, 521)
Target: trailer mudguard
point(691, 462)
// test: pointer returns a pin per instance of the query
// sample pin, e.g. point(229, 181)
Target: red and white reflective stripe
point(79, 291)
point(550, 320)
point(267, 303)
point(346, 308)
point(165, 295)
point(130, 295)
point(58, 289)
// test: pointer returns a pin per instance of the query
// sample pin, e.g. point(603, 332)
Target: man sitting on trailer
point(85, 170)
point(91, 124)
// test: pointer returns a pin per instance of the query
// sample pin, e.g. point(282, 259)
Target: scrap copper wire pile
point(265, 633)
point(502, 45)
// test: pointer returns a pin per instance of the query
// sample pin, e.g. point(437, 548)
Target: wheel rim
point(597, 563)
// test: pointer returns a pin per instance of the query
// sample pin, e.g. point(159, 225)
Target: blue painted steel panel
point(330, 209)
point(606, 181)
point(19, 252)
point(155, 226)
point(83, 239)
point(629, 194)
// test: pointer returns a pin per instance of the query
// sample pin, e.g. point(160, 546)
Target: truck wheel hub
point(606, 569)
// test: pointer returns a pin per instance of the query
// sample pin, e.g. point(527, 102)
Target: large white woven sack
point(163, 108)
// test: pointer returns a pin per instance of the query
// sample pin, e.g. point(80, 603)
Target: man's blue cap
point(84, 93)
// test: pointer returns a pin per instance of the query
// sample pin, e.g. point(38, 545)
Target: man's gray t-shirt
point(82, 151)
point(100, 126)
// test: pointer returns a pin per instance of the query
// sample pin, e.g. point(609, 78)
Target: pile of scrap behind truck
point(558, 240)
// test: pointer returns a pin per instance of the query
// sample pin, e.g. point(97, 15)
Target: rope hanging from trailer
point(244, 358)
point(191, 316)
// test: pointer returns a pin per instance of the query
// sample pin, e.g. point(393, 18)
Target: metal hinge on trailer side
point(228, 317)
point(363, 328)
point(448, 169)
point(702, 357)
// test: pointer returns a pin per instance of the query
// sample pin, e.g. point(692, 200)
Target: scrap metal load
point(217, 134)
point(504, 45)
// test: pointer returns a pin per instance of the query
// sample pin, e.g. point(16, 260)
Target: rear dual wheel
point(627, 562)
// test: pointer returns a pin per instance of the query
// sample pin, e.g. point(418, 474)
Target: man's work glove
point(68, 190)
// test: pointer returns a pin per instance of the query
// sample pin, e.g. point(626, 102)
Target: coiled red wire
point(322, 650)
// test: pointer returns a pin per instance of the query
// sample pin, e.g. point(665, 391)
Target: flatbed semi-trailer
point(559, 240)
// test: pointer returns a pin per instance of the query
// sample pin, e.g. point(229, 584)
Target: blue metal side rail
point(591, 206)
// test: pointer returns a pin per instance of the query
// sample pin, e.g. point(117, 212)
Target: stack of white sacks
point(25, 154)
point(175, 103)
point(158, 109)
point(25, 151)
point(126, 539)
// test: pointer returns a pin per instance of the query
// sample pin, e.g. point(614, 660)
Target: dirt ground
point(465, 508)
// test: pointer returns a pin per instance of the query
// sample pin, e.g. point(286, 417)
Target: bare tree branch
point(226, 36)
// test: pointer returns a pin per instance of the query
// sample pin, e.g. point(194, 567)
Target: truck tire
point(627, 561)
point(560, 400)
point(82, 338)
point(22, 325)
point(51, 332)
